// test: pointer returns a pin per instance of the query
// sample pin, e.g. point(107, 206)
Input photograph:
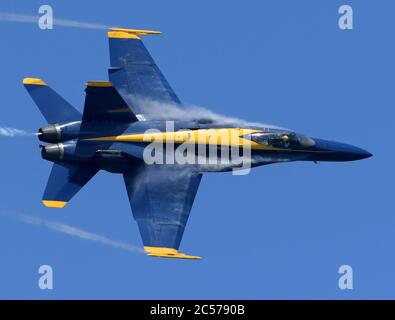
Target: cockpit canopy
point(282, 139)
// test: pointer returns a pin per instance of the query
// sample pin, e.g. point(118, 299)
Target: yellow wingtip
point(54, 204)
point(175, 256)
point(123, 33)
point(139, 31)
point(99, 84)
point(163, 252)
point(35, 81)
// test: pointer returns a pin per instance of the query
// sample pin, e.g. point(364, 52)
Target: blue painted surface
point(136, 75)
point(104, 104)
point(161, 198)
point(66, 180)
point(54, 108)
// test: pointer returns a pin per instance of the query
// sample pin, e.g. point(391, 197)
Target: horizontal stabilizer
point(53, 107)
point(65, 181)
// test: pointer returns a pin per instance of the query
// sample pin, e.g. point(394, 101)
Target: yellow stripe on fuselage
point(231, 137)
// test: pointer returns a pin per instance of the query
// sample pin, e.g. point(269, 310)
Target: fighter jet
point(120, 130)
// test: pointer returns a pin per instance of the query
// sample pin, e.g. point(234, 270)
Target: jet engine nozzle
point(53, 152)
point(58, 132)
point(50, 133)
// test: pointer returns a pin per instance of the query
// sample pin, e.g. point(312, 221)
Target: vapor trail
point(12, 132)
point(72, 231)
point(157, 110)
point(24, 18)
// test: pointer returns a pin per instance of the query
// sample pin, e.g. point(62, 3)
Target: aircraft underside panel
point(161, 198)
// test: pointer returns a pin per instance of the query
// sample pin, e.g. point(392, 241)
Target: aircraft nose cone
point(336, 151)
point(358, 154)
point(347, 152)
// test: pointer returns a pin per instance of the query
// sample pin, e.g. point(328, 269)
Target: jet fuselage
point(208, 146)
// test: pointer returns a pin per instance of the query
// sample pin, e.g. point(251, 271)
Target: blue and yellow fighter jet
point(111, 134)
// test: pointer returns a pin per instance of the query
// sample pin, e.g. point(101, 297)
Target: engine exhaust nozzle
point(53, 152)
point(49, 134)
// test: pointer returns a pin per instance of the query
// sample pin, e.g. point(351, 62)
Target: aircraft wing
point(161, 199)
point(135, 75)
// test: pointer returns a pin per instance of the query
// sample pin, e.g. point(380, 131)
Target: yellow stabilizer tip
point(123, 33)
point(54, 204)
point(99, 84)
point(168, 253)
point(35, 81)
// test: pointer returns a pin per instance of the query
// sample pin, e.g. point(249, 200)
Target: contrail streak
point(156, 110)
point(72, 231)
point(24, 18)
point(12, 132)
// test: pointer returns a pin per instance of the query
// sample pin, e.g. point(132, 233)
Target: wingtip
point(35, 81)
point(164, 252)
point(54, 204)
point(139, 31)
point(175, 256)
point(123, 33)
point(99, 84)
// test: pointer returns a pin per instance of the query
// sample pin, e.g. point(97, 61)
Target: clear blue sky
point(281, 231)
